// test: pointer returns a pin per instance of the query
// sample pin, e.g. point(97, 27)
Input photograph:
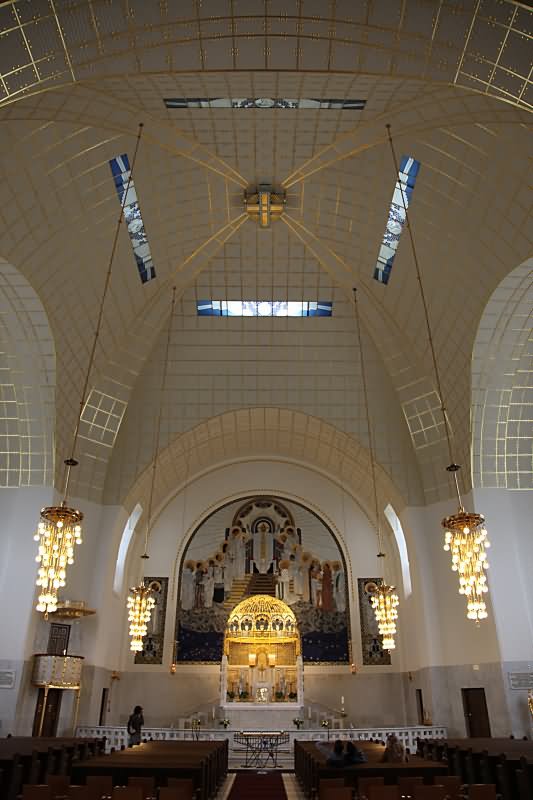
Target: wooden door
point(51, 712)
point(58, 639)
point(476, 713)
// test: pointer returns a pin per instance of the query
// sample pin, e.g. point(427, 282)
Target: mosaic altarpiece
point(263, 552)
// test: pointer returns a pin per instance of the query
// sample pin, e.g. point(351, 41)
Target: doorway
point(420, 706)
point(51, 712)
point(476, 713)
point(103, 706)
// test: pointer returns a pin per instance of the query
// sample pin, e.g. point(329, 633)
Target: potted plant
point(293, 696)
point(244, 695)
point(298, 722)
point(224, 722)
point(231, 695)
point(279, 695)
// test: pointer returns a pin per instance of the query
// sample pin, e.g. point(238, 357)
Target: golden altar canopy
point(259, 621)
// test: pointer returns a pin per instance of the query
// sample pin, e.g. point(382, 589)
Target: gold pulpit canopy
point(262, 620)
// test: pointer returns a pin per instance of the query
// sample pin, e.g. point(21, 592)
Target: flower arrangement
point(325, 723)
point(293, 696)
point(225, 722)
point(279, 695)
point(243, 695)
point(231, 695)
point(298, 722)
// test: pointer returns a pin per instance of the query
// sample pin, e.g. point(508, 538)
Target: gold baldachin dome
point(261, 616)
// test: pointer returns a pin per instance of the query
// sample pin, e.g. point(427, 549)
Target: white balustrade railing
point(117, 736)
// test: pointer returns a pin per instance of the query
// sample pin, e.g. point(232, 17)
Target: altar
point(262, 670)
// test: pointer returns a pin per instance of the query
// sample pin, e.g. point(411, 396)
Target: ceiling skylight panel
point(263, 308)
point(120, 168)
point(409, 168)
point(265, 102)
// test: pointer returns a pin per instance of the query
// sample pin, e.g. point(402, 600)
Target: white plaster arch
point(27, 384)
point(502, 386)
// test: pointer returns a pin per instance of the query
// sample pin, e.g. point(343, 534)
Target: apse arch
point(502, 385)
point(27, 384)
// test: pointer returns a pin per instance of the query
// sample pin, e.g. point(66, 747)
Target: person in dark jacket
point(353, 755)
point(335, 757)
point(135, 723)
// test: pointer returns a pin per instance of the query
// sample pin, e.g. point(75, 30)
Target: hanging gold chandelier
point(466, 536)
point(384, 599)
point(59, 530)
point(466, 539)
point(385, 602)
point(140, 605)
point(140, 600)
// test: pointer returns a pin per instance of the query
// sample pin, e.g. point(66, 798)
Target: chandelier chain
point(368, 425)
point(158, 424)
point(71, 461)
point(426, 314)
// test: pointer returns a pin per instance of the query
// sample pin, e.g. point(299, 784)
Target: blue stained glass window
point(341, 104)
point(120, 168)
point(263, 308)
point(409, 168)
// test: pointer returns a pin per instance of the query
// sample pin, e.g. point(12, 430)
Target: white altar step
point(262, 716)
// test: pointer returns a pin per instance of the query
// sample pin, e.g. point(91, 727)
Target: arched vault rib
point(91, 105)
point(459, 44)
point(461, 108)
point(116, 376)
point(402, 357)
point(272, 434)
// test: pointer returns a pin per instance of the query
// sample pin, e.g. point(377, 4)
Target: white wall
point(18, 572)
point(436, 643)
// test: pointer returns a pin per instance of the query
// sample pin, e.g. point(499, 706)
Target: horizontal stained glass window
point(120, 167)
point(401, 198)
point(264, 102)
point(263, 308)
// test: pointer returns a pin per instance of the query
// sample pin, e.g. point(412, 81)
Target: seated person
point(353, 755)
point(335, 757)
point(394, 750)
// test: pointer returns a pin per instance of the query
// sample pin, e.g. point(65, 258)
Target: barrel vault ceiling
point(454, 82)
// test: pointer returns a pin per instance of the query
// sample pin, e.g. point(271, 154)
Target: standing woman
point(135, 723)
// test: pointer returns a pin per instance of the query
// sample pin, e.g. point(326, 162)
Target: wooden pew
point(204, 762)
point(310, 767)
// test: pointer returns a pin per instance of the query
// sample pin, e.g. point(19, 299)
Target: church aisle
point(260, 786)
point(292, 787)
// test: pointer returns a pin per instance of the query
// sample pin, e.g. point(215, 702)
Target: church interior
point(266, 462)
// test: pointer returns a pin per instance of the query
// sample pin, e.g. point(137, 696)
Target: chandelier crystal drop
point(385, 602)
point(140, 605)
point(466, 539)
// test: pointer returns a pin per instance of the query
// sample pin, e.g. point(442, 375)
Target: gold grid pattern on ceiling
point(502, 386)
point(480, 44)
point(190, 198)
